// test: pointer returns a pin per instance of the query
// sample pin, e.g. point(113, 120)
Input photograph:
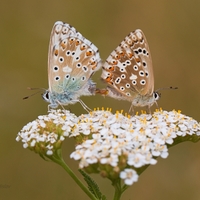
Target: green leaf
point(92, 186)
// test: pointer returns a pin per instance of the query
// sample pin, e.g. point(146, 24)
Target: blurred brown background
point(172, 28)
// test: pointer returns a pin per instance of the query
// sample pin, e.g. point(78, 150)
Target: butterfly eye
point(156, 96)
point(45, 96)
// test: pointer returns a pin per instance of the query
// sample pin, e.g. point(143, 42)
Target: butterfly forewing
point(72, 60)
point(128, 70)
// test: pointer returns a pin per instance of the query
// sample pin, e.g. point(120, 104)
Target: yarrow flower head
point(46, 134)
point(117, 146)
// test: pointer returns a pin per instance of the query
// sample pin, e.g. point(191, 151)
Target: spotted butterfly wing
point(72, 60)
point(128, 71)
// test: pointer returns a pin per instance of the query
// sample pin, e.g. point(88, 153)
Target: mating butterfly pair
point(73, 59)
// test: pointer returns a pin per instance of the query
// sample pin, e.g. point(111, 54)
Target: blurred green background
point(172, 28)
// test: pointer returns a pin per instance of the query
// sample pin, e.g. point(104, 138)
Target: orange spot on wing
point(110, 69)
point(130, 55)
point(77, 42)
point(71, 41)
point(63, 45)
point(88, 53)
point(109, 79)
point(114, 62)
point(82, 48)
point(56, 52)
point(94, 67)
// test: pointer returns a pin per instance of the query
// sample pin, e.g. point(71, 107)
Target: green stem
point(118, 190)
point(57, 158)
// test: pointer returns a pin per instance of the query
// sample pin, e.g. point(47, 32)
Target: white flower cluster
point(114, 144)
point(140, 139)
point(47, 131)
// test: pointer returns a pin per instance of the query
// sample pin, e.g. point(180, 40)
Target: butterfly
point(72, 60)
point(128, 72)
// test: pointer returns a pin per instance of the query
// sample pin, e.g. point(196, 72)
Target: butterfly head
point(45, 96)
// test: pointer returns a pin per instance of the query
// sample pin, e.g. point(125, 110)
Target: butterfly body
point(128, 71)
point(137, 101)
point(72, 60)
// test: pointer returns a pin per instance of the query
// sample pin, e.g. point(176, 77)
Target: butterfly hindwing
point(128, 70)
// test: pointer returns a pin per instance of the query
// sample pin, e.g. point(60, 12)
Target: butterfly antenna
point(167, 88)
point(29, 88)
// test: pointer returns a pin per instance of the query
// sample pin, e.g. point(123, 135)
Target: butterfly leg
point(149, 109)
point(131, 110)
point(84, 106)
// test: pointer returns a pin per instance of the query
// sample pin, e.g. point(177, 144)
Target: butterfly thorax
point(70, 95)
point(56, 99)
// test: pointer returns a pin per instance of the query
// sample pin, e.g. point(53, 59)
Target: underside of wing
point(129, 69)
point(72, 60)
